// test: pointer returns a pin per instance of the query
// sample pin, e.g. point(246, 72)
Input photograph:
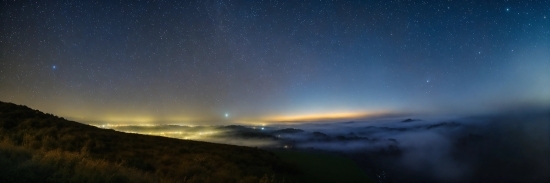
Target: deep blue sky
point(257, 61)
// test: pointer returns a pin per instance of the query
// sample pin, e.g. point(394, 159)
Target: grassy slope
point(319, 167)
point(20, 164)
point(49, 148)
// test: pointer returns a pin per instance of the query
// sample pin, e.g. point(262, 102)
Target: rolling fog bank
point(506, 147)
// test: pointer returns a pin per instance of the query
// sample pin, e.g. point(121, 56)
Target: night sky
point(220, 62)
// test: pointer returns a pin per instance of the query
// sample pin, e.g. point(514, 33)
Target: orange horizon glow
point(296, 118)
point(325, 116)
point(131, 120)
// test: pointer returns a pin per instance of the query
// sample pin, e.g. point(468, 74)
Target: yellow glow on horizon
point(137, 119)
point(116, 121)
point(134, 120)
point(323, 116)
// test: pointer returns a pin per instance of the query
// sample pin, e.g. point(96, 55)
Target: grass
point(20, 164)
point(323, 167)
point(39, 147)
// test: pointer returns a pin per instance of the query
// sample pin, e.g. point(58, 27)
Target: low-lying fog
point(494, 148)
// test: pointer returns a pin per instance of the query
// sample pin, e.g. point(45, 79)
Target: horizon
point(299, 120)
point(274, 91)
point(220, 62)
point(460, 149)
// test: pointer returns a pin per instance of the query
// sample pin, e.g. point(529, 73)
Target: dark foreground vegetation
point(38, 147)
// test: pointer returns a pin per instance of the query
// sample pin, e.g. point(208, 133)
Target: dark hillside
point(44, 147)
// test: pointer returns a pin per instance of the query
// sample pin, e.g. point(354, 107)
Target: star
point(247, 68)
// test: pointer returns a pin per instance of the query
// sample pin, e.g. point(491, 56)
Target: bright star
point(427, 81)
point(53, 67)
point(226, 115)
point(507, 9)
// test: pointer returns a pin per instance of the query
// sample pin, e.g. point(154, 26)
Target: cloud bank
point(505, 147)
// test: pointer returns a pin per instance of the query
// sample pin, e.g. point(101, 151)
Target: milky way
point(212, 62)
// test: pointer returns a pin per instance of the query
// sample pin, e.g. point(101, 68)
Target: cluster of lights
point(108, 126)
point(196, 135)
point(173, 134)
point(122, 125)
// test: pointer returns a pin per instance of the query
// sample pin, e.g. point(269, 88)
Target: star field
point(210, 62)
